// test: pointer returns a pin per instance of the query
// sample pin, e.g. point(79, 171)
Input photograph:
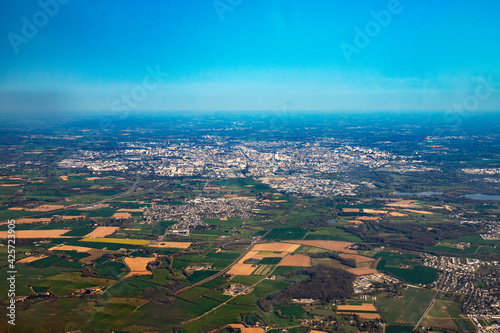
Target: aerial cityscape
point(250, 166)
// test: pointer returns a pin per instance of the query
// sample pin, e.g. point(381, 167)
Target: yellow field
point(117, 241)
point(138, 266)
point(102, 232)
point(172, 245)
point(37, 234)
point(137, 210)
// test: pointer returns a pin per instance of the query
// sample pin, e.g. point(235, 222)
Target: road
point(225, 270)
point(431, 303)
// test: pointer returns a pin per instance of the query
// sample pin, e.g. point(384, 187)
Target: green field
point(408, 309)
point(417, 274)
point(286, 233)
point(291, 311)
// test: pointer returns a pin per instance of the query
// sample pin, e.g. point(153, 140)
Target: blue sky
point(94, 55)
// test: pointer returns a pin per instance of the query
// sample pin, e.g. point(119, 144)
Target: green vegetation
point(407, 309)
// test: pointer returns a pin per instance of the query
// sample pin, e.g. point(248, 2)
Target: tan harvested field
point(10, 185)
point(278, 247)
point(135, 210)
point(102, 232)
point(65, 178)
point(244, 329)
point(121, 216)
point(37, 234)
point(243, 269)
point(71, 248)
point(362, 307)
point(27, 260)
point(358, 258)
point(362, 270)
point(45, 208)
point(368, 218)
point(316, 331)
point(94, 254)
point(172, 245)
point(15, 208)
point(397, 214)
point(138, 266)
point(375, 211)
point(350, 210)
point(299, 260)
point(338, 246)
point(28, 220)
point(424, 212)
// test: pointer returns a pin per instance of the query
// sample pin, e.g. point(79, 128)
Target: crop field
point(416, 274)
point(408, 309)
point(70, 248)
point(291, 311)
point(286, 233)
point(138, 266)
point(116, 241)
point(296, 260)
point(27, 260)
point(102, 232)
point(263, 270)
point(270, 261)
point(172, 245)
point(57, 233)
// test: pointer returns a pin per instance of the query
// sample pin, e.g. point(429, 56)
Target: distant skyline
point(243, 55)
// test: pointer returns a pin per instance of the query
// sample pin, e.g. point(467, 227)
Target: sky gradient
point(249, 55)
